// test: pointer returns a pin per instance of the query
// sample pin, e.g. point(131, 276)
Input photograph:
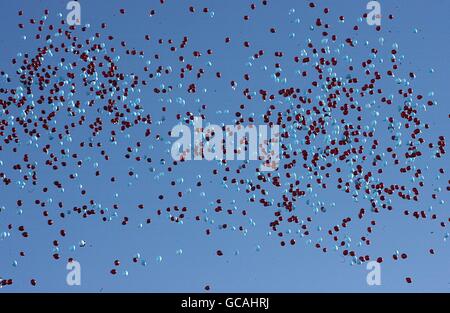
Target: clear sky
point(253, 261)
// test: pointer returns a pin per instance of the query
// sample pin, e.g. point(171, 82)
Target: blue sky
point(243, 268)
